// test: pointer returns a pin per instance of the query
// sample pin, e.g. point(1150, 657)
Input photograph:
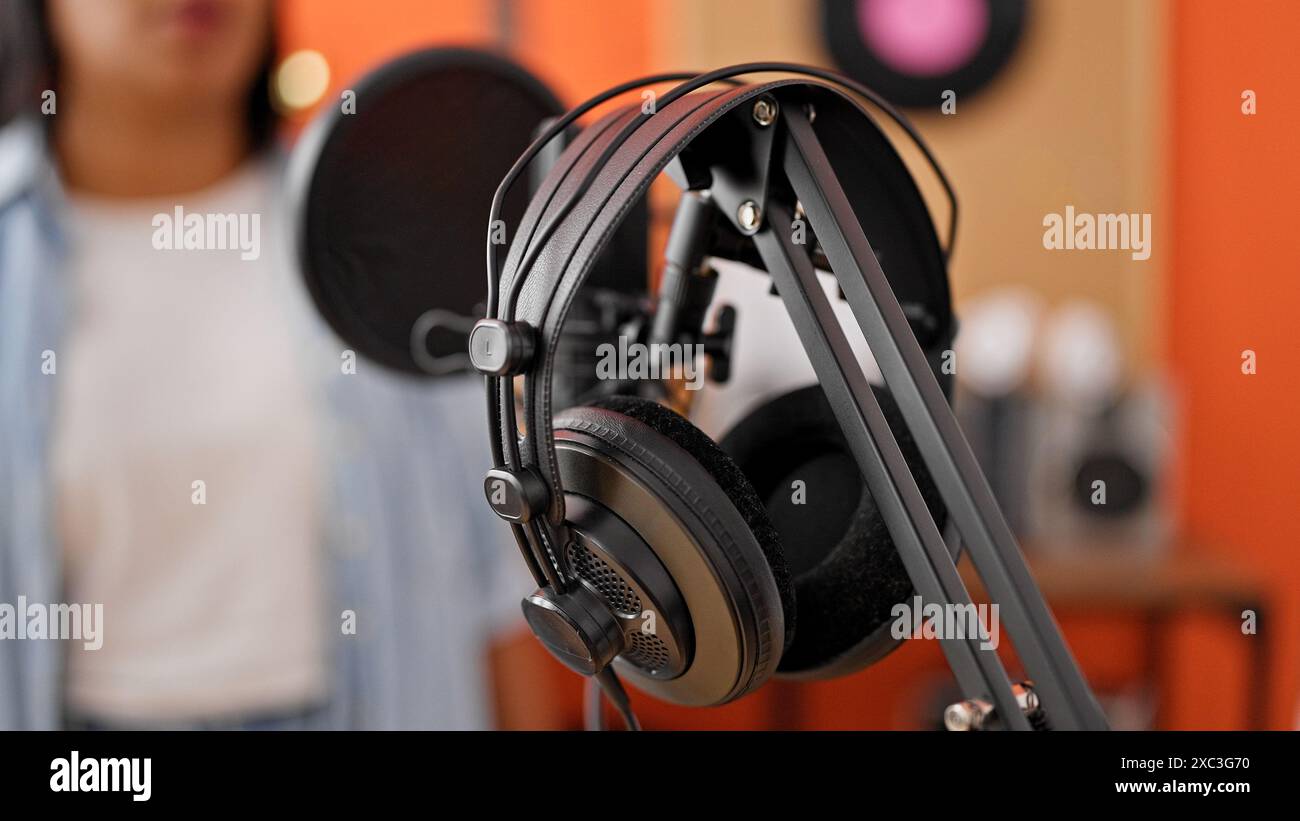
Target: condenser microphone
point(685, 284)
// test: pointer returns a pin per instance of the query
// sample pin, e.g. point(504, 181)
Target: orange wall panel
point(357, 36)
point(1235, 285)
point(581, 47)
point(578, 47)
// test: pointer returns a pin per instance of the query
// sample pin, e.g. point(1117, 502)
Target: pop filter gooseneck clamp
point(797, 160)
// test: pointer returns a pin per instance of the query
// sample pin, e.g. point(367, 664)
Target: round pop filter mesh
point(394, 209)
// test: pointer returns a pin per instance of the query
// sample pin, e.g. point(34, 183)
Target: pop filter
point(390, 194)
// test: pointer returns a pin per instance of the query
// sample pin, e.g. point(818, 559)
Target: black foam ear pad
point(847, 574)
point(729, 477)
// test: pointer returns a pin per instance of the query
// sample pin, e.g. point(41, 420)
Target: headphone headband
point(562, 265)
point(545, 290)
point(565, 228)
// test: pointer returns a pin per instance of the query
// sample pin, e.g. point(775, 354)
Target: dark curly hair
point(29, 65)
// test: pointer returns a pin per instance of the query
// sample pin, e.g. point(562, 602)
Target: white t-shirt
point(186, 463)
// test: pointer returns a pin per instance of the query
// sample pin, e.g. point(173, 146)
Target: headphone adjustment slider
point(516, 496)
point(499, 348)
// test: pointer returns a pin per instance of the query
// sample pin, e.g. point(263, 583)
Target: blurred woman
point(277, 539)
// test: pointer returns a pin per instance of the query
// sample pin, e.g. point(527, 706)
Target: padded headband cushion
point(583, 224)
point(848, 575)
point(729, 477)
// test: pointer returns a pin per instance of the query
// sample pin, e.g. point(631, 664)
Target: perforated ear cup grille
point(608, 583)
point(681, 516)
point(647, 651)
point(614, 563)
point(729, 477)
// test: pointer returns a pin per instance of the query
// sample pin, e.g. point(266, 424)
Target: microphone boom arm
point(1065, 695)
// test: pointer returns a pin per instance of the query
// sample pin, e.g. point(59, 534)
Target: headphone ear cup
point(649, 466)
point(847, 573)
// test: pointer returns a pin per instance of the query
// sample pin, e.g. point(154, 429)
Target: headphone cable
point(606, 684)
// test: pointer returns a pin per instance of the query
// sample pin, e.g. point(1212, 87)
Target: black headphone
point(678, 562)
